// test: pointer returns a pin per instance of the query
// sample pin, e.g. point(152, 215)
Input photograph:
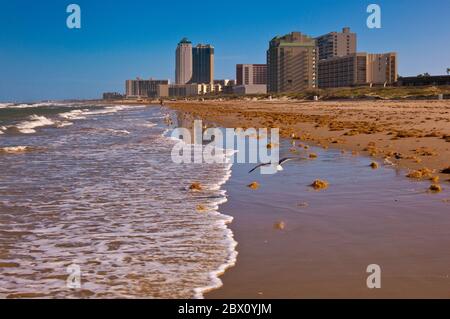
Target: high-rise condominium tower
point(183, 64)
point(291, 63)
point(336, 44)
point(202, 64)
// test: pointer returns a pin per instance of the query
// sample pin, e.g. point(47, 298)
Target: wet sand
point(295, 242)
point(412, 134)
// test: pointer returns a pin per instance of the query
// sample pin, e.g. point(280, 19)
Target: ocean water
point(95, 187)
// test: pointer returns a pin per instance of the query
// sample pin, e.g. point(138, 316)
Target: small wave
point(63, 124)
point(35, 121)
point(149, 125)
point(119, 132)
point(73, 115)
point(27, 105)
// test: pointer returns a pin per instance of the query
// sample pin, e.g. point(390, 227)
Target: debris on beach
point(446, 170)
point(269, 146)
point(313, 155)
point(15, 149)
point(435, 188)
point(420, 173)
point(374, 165)
point(387, 161)
point(303, 204)
point(434, 179)
point(281, 225)
point(201, 208)
point(319, 184)
point(253, 186)
point(196, 186)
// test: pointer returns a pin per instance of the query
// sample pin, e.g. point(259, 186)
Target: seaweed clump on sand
point(253, 186)
point(446, 170)
point(374, 165)
point(281, 225)
point(435, 188)
point(196, 186)
point(319, 184)
point(420, 173)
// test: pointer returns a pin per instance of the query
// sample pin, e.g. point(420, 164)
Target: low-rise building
point(249, 74)
point(143, 88)
point(424, 80)
point(250, 89)
point(112, 96)
point(358, 69)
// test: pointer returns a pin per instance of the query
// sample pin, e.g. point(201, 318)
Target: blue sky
point(40, 58)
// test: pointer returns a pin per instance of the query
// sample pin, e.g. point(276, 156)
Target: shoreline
point(413, 135)
point(265, 267)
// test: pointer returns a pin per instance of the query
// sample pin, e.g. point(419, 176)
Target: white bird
point(387, 161)
point(279, 167)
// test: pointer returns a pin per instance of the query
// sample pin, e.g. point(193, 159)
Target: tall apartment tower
point(183, 63)
point(291, 63)
point(250, 74)
point(336, 44)
point(202, 64)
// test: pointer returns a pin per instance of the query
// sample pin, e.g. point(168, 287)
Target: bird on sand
point(279, 166)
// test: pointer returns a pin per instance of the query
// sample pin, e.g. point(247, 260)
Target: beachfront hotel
point(251, 79)
point(143, 88)
point(358, 69)
point(336, 44)
point(291, 63)
point(183, 63)
point(249, 74)
point(202, 64)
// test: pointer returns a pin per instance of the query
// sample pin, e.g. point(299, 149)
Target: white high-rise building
point(183, 68)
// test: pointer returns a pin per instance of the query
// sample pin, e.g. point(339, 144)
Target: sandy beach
point(295, 242)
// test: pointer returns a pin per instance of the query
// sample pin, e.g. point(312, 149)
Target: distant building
point(424, 80)
point(183, 62)
point(224, 86)
point(186, 90)
point(143, 88)
point(177, 90)
point(225, 82)
point(291, 63)
point(358, 69)
point(250, 89)
point(249, 74)
point(202, 64)
point(336, 44)
point(112, 96)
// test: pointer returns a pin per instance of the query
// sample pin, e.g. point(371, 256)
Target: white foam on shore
point(222, 223)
